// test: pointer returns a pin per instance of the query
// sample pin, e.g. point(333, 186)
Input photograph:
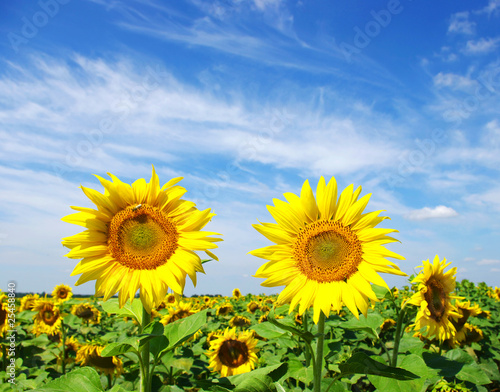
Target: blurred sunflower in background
point(140, 237)
point(178, 311)
point(48, 318)
point(236, 293)
point(224, 309)
point(28, 302)
point(433, 299)
point(462, 327)
point(327, 252)
point(62, 293)
point(240, 321)
point(232, 353)
point(87, 312)
point(90, 355)
point(4, 325)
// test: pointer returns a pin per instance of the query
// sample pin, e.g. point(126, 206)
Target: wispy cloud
point(488, 262)
point(481, 46)
point(460, 23)
point(432, 213)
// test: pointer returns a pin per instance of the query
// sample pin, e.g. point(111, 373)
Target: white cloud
point(432, 213)
point(453, 81)
point(481, 46)
point(460, 23)
point(492, 7)
point(488, 262)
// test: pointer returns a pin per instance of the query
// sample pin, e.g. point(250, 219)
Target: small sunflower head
point(62, 293)
point(90, 355)
point(224, 309)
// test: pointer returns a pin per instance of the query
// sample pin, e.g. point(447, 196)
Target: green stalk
point(63, 347)
point(319, 353)
point(397, 337)
point(144, 362)
point(305, 319)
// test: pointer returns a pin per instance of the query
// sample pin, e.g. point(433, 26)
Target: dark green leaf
point(360, 363)
point(181, 330)
point(130, 344)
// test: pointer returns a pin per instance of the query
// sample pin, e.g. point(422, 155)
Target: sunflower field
point(335, 326)
point(214, 343)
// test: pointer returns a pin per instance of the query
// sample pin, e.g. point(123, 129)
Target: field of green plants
point(102, 345)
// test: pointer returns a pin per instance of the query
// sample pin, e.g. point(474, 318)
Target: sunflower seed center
point(233, 353)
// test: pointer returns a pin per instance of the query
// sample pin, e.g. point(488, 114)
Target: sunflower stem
point(305, 320)
point(145, 385)
point(397, 337)
point(63, 352)
point(319, 353)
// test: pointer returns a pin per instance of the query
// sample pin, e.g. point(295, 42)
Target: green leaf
point(360, 363)
point(381, 291)
point(131, 310)
point(275, 372)
point(112, 349)
point(369, 324)
point(256, 384)
point(307, 336)
point(181, 330)
point(298, 371)
point(444, 366)
point(83, 379)
point(412, 364)
point(474, 374)
point(459, 355)
point(269, 330)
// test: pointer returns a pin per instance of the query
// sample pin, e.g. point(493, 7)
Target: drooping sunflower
point(327, 251)
point(252, 307)
point(72, 345)
point(387, 324)
point(224, 309)
point(239, 321)
point(236, 293)
point(90, 355)
point(140, 237)
point(87, 312)
point(62, 293)
point(433, 298)
point(48, 318)
point(178, 311)
point(28, 302)
point(465, 310)
point(233, 353)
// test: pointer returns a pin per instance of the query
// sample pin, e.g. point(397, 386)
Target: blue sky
point(246, 99)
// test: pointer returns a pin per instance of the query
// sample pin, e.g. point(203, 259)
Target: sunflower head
point(236, 293)
point(232, 353)
point(240, 321)
point(327, 251)
point(178, 311)
point(28, 302)
point(4, 326)
point(433, 298)
point(48, 318)
point(387, 324)
point(140, 237)
point(87, 312)
point(253, 306)
point(224, 309)
point(90, 355)
point(62, 293)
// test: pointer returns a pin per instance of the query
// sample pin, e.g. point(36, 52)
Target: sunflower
point(232, 353)
point(62, 293)
point(140, 237)
point(178, 311)
point(48, 318)
point(434, 300)
point(28, 302)
point(327, 251)
point(236, 293)
point(465, 310)
point(224, 309)
point(387, 324)
point(90, 355)
point(252, 307)
point(71, 348)
point(239, 321)
point(87, 312)
point(4, 325)
point(170, 299)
